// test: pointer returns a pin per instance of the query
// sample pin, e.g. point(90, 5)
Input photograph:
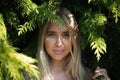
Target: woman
point(59, 50)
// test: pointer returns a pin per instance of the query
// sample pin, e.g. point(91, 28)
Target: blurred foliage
point(12, 63)
point(98, 22)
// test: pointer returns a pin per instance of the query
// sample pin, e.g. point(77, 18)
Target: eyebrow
point(66, 32)
point(49, 31)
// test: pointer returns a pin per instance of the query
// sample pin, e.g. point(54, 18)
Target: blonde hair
point(73, 65)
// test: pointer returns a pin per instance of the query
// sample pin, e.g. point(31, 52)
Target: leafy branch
point(12, 63)
point(94, 25)
point(38, 15)
point(98, 44)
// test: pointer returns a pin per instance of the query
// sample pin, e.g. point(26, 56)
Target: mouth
point(58, 51)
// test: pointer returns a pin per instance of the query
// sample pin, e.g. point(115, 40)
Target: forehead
point(54, 26)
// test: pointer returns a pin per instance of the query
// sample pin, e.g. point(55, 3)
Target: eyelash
point(51, 35)
point(64, 35)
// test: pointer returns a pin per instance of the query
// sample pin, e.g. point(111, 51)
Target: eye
point(66, 35)
point(51, 34)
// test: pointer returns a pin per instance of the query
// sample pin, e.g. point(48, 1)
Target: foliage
point(113, 6)
point(12, 63)
point(38, 15)
point(98, 21)
point(94, 27)
point(114, 11)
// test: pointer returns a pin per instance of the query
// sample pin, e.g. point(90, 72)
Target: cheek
point(48, 46)
point(68, 47)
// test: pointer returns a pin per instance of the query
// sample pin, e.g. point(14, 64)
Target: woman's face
point(57, 41)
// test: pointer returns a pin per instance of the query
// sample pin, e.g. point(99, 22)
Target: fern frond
point(24, 28)
point(115, 8)
point(26, 6)
point(12, 63)
point(94, 26)
point(99, 46)
point(38, 16)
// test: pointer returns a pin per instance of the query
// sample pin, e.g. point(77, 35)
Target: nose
point(59, 41)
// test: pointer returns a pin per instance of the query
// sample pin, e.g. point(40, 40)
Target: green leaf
point(99, 46)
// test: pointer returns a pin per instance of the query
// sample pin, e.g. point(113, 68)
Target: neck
point(57, 66)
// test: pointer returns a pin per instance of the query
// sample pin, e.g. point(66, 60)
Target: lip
point(58, 51)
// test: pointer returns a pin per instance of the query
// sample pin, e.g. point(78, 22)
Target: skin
point(57, 45)
point(100, 72)
point(57, 42)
